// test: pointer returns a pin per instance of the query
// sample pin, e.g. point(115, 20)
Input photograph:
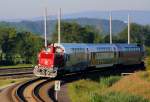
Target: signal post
point(57, 88)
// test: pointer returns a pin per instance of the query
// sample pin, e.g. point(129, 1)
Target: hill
point(137, 16)
point(37, 26)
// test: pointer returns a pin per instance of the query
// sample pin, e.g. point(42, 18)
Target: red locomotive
point(49, 59)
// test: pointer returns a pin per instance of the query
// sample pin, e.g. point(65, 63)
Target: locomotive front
point(50, 60)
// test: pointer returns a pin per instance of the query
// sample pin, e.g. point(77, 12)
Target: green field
point(17, 66)
point(9, 81)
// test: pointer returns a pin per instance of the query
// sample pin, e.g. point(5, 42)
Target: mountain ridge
point(37, 27)
point(137, 16)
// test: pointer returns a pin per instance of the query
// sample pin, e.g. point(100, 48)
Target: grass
point(132, 88)
point(109, 81)
point(4, 82)
point(117, 97)
point(145, 75)
point(83, 90)
point(136, 84)
point(17, 66)
point(147, 62)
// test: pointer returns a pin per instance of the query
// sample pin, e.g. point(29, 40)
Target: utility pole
point(110, 27)
point(45, 26)
point(128, 29)
point(59, 25)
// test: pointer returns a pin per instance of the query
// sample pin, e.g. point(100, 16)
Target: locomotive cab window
point(48, 49)
point(59, 50)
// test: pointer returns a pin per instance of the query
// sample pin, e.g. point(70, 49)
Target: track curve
point(24, 91)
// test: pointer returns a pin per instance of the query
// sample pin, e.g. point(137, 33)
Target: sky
point(26, 9)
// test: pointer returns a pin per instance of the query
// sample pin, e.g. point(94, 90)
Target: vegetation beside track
point(132, 88)
point(17, 66)
point(147, 62)
point(5, 82)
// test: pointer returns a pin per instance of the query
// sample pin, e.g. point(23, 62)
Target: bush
point(117, 97)
point(109, 81)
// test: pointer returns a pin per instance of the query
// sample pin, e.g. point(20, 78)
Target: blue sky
point(26, 9)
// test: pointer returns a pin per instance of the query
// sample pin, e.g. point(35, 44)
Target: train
point(72, 57)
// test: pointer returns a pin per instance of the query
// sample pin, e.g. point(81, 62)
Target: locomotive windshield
point(59, 50)
point(48, 49)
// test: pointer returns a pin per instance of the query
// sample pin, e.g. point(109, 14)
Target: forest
point(22, 47)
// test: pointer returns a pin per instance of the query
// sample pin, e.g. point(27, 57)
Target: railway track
point(22, 68)
point(37, 90)
point(24, 92)
point(15, 72)
point(16, 75)
point(42, 89)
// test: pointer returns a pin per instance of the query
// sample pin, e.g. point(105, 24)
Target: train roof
point(82, 45)
point(96, 47)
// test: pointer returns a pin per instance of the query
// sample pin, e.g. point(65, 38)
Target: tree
point(137, 34)
point(75, 33)
point(29, 45)
point(18, 47)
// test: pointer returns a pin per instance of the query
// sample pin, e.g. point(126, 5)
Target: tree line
point(73, 32)
point(23, 47)
point(18, 47)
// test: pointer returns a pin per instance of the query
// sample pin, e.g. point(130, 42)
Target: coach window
point(129, 49)
point(137, 49)
point(72, 49)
